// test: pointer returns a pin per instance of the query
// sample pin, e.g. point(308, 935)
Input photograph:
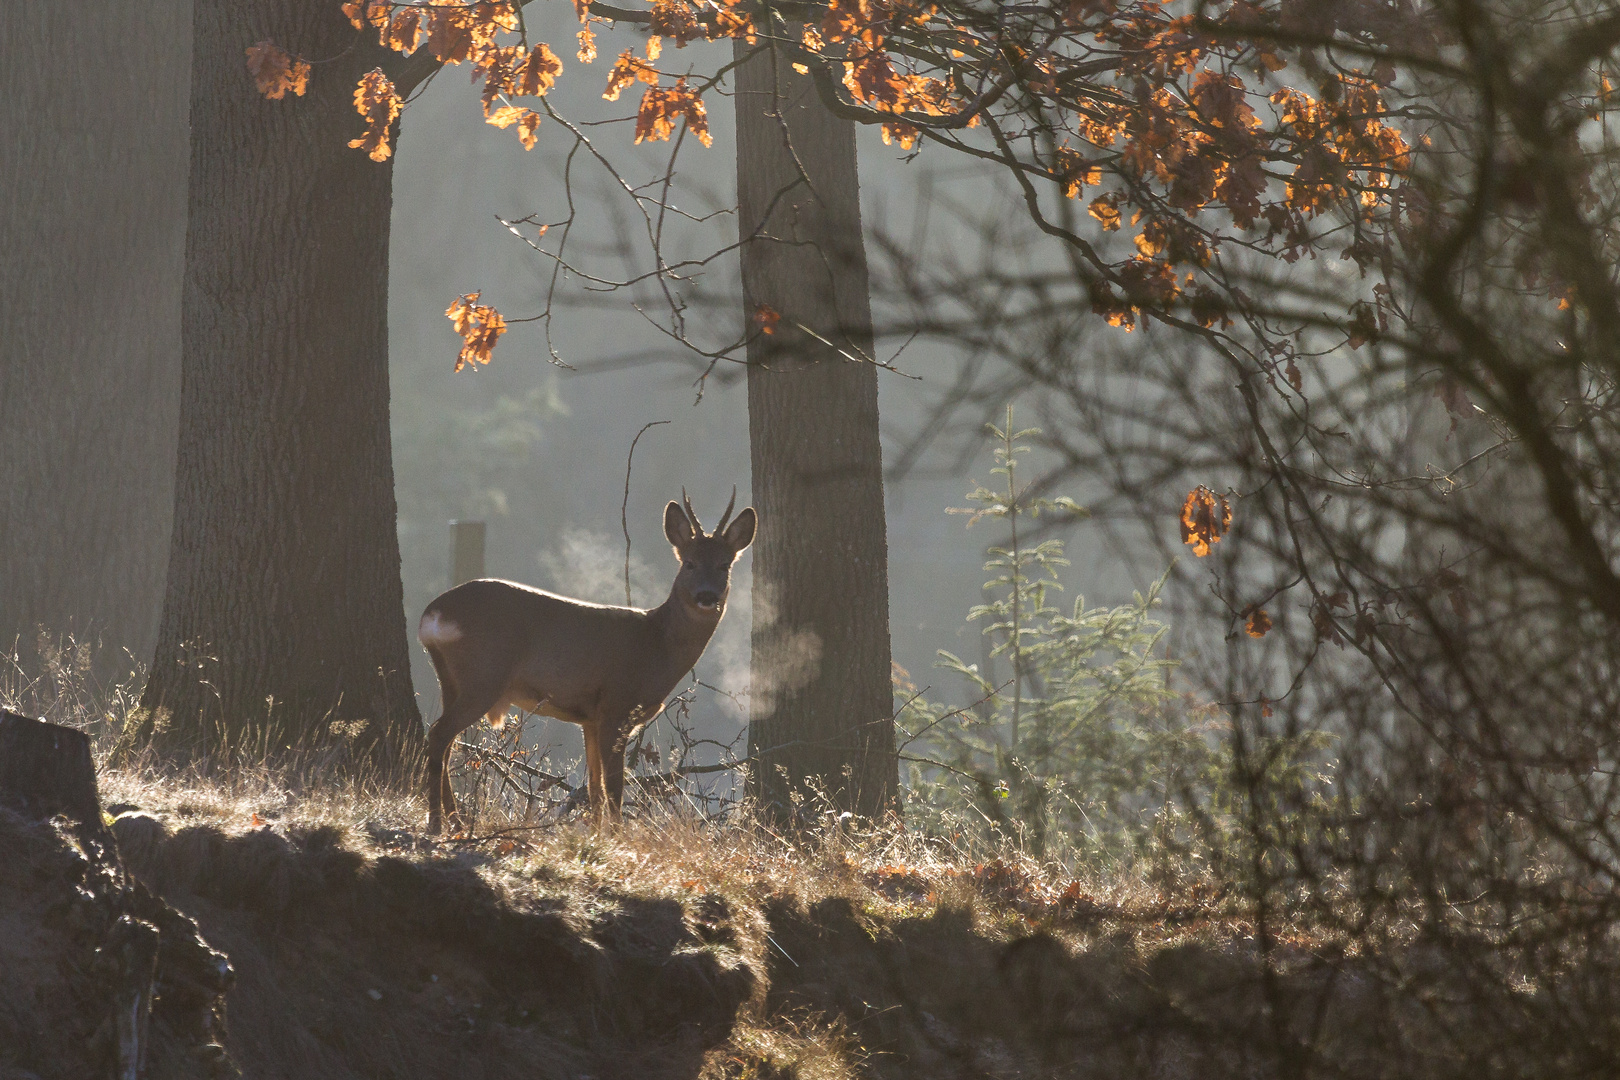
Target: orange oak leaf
point(538, 72)
point(676, 19)
point(628, 69)
point(1105, 208)
point(505, 116)
point(375, 99)
point(896, 132)
point(1258, 623)
point(766, 318)
point(528, 128)
point(361, 12)
point(1205, 518)
point(498, 66)
point(480, 327)
point(405, 31)
point(459, 31)
point(587, 45)
point(527, 121)
point(275, 71)
point(450, 40)
point(872, 80)
point(731, 21)
point(1075, 172)
point(661, 106)
point(1208, 309)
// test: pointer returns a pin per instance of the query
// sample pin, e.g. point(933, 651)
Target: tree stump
point(46, 770)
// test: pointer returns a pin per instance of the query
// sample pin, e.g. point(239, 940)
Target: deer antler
point(725, 517)
point(691, 515)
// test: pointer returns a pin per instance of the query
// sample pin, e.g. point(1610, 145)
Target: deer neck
point(685, 632)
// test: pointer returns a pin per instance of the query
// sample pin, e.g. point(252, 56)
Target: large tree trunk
point(284, 602)
point(821, 703)
point(92, 229)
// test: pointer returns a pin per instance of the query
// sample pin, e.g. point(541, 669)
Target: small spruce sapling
point(1076, 747)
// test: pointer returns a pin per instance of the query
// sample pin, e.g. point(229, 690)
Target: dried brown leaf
point(1205, 518)
point(275, 71)
point(480, 327)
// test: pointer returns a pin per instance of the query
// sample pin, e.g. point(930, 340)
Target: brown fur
point(496, 644)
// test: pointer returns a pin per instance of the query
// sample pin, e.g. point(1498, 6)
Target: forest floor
point(674, 949)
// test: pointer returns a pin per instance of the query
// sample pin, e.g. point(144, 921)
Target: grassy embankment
point(671, 948)
point(674, 947)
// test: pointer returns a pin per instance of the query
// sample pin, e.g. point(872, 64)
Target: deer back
point(531, 646)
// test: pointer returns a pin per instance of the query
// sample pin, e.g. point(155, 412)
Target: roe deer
point(496, 644)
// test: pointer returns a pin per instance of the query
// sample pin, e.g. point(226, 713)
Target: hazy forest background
point(533, 449)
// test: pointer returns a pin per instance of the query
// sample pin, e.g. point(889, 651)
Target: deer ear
point(740, 533)
point(677, 528)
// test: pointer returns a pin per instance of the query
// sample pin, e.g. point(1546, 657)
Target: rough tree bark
point(284, 606)
point(92, 230)
point(821, 709)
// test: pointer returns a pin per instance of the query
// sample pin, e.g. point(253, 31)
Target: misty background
point(94, 226)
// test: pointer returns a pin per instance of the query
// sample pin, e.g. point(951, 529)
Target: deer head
point(704, 579)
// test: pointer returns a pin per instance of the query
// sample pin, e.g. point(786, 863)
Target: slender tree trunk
point(92, 230)
point(284, 601)
point(821, 705)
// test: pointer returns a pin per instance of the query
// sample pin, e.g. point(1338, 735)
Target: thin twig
point(624, 507)
point(946, 716)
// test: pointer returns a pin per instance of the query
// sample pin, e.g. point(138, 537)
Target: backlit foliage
point(375, 100)
point(662, 106)
point(1205, 517)
point(480, 327)
point(274, 72)
point(1181, 125)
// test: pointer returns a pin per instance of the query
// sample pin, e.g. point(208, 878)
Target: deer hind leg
point(435, 756)
point(613, 778)
point(439, 738)
point(593, 770)
point(458, 716)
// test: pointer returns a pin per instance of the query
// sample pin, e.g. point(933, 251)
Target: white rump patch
point(437, 630)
